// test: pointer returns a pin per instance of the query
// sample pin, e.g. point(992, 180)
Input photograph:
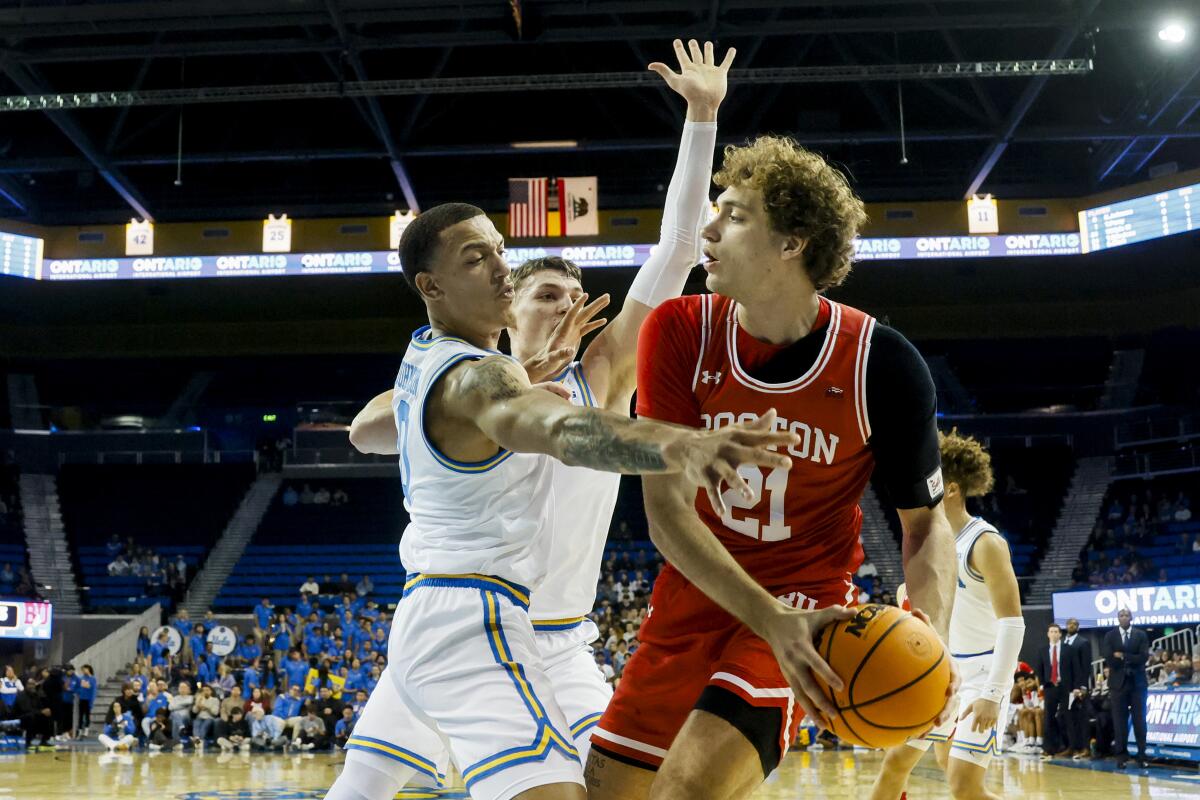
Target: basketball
point(895, 670)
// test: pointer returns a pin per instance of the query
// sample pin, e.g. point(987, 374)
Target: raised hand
point(700, 80)
point(564, 340)
point(710, 458)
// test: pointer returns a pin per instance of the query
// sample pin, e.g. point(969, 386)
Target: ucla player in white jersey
point(474, 438)
point(986, 630)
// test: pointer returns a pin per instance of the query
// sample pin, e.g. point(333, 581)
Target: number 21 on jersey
point(775, 492)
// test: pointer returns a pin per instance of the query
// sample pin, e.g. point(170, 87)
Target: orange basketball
point(896, 673)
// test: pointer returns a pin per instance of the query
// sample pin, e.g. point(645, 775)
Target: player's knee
point(965, 780)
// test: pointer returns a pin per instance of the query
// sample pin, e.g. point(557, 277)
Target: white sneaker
point(308, 746)
point(154, 748)
point(296, 742)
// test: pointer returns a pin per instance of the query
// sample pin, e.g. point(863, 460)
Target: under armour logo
point(711, 377)
point(834, 391)
point(649, 611)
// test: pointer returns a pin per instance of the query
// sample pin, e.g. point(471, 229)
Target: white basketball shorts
point(966, 743)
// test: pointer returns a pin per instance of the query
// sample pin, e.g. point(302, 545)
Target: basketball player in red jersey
point(707, 706)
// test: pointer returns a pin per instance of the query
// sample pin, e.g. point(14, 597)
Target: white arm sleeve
point(665, 271)
point(1010, 632)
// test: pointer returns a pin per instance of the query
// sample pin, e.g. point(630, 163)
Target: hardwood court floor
point(90, 775)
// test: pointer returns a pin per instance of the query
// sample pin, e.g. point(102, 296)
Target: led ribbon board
point(586, 256)
point(1169, 604)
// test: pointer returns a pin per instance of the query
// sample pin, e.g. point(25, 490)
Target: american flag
point(527, 207)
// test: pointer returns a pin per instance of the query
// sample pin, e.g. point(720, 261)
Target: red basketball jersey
point(694, 368)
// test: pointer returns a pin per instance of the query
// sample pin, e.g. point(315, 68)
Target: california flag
point(577, 204)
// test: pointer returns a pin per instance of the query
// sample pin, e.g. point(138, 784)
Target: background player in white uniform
point(475, 438)
point(549, 319)
point(986, 630)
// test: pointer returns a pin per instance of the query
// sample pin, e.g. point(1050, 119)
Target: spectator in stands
point(225, 682)
point(289, 708)
point(364, 586)
point(210, 621)
point(867, 574)
point(236, 734)
point(266, 732)
point(10, 687)
point(181, 711)
point(340, 498)
point(205, 710)
point(7, 576)
point(181, 566)
point(160, 651)
point(263, 614)
point(344, 585)
point(155, 700)
point(322, 497)
point(290, 497)
point(344, 727)
point(309, 587)
point(119, 728)
point(159, 731)
point(232, 701)
point(113, 545)
point(249, 651)
point(294, 669)
point(87, 697)
point(197, 642)
point(119, 567)
point(1182, 508)
point(306, 498)
point(313, 733)
point(143, 642)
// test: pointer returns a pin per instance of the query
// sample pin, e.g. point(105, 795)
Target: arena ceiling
point(254, 150)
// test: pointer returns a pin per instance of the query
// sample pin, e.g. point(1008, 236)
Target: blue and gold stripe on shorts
point(991, 746)
point(515, 592)
point(585, 723)
point(565, 624)
point(396, 753)
point(546, 737)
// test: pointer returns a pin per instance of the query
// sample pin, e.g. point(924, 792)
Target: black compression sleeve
point(902, 408)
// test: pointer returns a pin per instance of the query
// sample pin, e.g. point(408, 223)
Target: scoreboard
point(20, 256)
point(1140, 219)
point(23, 619)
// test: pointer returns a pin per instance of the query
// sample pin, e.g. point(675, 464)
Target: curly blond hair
point(965, 462)
point(804, 196)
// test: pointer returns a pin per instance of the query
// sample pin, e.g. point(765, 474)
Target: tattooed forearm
point(493, 378)
point(606, 442)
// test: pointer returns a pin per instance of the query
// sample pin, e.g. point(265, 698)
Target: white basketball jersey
point(972, 621)
point(584, 502)
point(490, 517)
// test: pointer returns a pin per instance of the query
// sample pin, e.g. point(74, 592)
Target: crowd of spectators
point(163, 576)
point(40, 704)
point(1129, 524)
point(1173, 668)
point(322, 496)
point(297, 679)
point(17, 582)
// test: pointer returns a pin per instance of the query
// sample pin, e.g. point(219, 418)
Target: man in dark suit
point(1079, 682)
point(1052, 665)
point(1126, 650)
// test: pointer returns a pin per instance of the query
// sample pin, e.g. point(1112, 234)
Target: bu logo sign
point(711, 377)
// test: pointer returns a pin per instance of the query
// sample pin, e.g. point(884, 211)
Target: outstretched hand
point(700, 80)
